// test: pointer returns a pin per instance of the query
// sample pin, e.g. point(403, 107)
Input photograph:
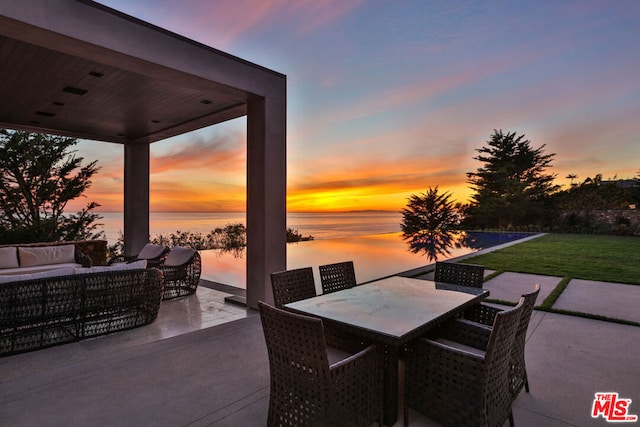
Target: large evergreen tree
point(512, 186)
point(39, 175)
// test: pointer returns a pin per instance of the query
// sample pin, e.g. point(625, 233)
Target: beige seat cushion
point(37, 268)
point(151, 251)
point(43, 274)
point(114, 267)
point(336, 355)
point(46, 255)
point(178, 256)
point(9, 257)
point(460, 346)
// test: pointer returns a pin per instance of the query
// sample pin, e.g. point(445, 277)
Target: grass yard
point(580, 256)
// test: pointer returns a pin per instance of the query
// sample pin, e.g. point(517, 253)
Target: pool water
point(374, 256)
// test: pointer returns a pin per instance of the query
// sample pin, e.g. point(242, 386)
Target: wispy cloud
point(230, 20)
point(220, 153)
point(386, 99)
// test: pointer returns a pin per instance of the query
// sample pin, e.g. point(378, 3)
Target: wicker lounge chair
point(335, 277)
point(485, 314)
point(181, 269)
point(454, 383)
point(459, 274)
point(314, 385)
point(153, 254)
point(292, 285)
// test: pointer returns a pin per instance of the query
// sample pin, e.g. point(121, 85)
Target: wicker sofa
point(35, 257)
point(65, 305)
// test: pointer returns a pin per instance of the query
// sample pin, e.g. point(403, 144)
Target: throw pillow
point(46, 255)
point(9, 257)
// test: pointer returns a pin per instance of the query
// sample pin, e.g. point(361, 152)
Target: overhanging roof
point(81, 69)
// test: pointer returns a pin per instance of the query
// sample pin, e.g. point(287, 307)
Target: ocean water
point(318, 225)
point(374, 255)
point(372, 240)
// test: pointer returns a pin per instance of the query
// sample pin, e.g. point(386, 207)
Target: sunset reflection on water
point(374, 256)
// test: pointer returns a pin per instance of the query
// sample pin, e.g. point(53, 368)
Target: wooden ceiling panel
point(100, 101)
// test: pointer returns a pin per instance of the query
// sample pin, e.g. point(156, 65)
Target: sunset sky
point(388, 98)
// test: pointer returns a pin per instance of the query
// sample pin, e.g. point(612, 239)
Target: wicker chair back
point(460, 274)
point(519, 377)
point(305, 389)
point(455, 387)
point(292, 285)
point(335, 277)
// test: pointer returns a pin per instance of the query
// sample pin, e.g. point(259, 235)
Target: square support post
point(136, 197)
point(266, 193)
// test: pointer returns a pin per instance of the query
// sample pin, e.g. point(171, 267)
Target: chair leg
point(510, 417)
point(526, 381)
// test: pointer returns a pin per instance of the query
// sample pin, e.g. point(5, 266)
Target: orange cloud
point(376, 184)
point(220, 153)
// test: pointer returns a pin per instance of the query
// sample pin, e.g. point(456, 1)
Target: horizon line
point(244, 212)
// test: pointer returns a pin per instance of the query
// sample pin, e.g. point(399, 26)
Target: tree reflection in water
point(435, 244)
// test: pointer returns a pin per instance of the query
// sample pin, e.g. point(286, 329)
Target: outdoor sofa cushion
point(40, 275)
point(178, 256)
point(151, 251)
point(9, 258)
point(36, 269)
point(114, 267)
point(46, 255)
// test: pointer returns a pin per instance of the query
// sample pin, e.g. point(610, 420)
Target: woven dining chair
point(292, 285)
point(456, 384)
point(298, 284)
point(483, 314)
point(459, 274)
point(335, 277)
point(314, 385)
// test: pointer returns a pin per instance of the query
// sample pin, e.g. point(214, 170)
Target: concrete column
point(136, 197)
point(266, 194)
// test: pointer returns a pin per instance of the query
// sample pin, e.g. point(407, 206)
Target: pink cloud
point(232, 19)
point(221, 154)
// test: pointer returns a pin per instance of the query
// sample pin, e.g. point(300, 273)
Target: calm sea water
point(374, 256)
point(372, 240)
point(318, 225)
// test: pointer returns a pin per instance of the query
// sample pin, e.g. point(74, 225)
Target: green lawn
point(591, 257)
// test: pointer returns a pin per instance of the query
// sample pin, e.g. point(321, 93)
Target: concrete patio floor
point(204, 363)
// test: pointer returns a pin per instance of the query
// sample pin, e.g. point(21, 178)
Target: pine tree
point(39, 175)
point(511, 187)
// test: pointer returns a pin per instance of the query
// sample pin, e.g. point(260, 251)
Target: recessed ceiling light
point(45, 113)
point(74, 90)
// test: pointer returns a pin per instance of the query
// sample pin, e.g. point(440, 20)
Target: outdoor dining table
point(391, 312)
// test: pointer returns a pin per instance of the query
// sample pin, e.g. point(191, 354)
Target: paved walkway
point(612, 300)
point(218, 376)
